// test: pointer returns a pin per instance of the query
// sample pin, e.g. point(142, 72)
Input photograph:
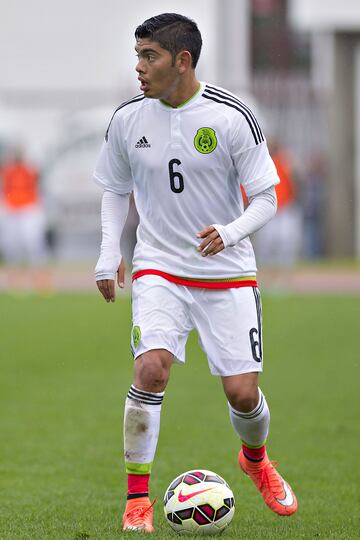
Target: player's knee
point(152, 370)
point(244, 400)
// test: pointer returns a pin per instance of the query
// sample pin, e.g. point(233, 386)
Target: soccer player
point(183, 147)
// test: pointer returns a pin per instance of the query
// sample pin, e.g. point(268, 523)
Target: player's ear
point(184, 61)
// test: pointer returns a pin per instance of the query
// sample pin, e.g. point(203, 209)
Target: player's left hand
point(212, 242)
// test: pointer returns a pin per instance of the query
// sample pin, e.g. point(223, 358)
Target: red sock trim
point(138, 483)
point(254, 454)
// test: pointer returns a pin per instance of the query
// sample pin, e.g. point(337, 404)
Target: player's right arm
point(113, 174)
point(114, 210)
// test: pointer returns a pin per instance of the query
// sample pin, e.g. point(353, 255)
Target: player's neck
point(183, 93)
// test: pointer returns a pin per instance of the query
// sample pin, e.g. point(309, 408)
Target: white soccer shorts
point(228, 322)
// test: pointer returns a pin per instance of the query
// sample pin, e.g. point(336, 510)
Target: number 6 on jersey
point(175, 174)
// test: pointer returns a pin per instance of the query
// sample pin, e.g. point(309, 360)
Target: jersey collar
point(186, 103)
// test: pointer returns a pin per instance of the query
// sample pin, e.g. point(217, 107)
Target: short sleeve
point(252, 160)
point(112, 170)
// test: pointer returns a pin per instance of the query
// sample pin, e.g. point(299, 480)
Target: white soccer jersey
point(185, 166)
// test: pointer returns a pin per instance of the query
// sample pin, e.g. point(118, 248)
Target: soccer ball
point(199, 502)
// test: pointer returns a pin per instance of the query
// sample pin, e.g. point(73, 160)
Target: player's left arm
point(262, 207)
point(256, 169)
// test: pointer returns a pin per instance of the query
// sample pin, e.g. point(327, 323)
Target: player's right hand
point(107, 289)
point(107, 286)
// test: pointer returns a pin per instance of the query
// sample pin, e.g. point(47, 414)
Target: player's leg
point(229, 324)
point(249, 412)
point(252, 425)
point(250, 417)
point(141, 432)
point(160, 329)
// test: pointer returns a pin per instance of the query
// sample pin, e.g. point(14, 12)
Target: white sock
point(253, 426)
point(141, 429)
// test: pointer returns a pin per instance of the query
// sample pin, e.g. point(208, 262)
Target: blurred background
point(65, 360)
point(66, 66)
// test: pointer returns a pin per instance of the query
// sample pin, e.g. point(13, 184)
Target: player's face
point(158, 76)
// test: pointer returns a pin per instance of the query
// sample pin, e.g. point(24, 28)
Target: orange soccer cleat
point(138, 515)
point(276, 493)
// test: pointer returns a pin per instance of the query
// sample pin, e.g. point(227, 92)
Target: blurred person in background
point(183, 147)
point(23, 227)
point(312, 196)
point(279, 243)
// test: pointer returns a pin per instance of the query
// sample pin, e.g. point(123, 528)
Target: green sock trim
point(138, 468)
point(252, 446)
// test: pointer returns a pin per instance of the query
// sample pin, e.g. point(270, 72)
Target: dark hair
point(174, 33)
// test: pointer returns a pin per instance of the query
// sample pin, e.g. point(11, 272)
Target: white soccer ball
point(199, 502)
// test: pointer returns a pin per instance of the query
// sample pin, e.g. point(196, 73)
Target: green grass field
point(66, 368)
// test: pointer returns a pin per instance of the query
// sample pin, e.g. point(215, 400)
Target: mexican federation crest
point(136, 335)
point(205, 140)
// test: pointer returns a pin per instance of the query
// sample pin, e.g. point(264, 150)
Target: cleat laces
point(137, 516)
point(270, 478)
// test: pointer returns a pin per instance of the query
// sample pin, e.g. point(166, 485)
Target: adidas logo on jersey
point(142, 143)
